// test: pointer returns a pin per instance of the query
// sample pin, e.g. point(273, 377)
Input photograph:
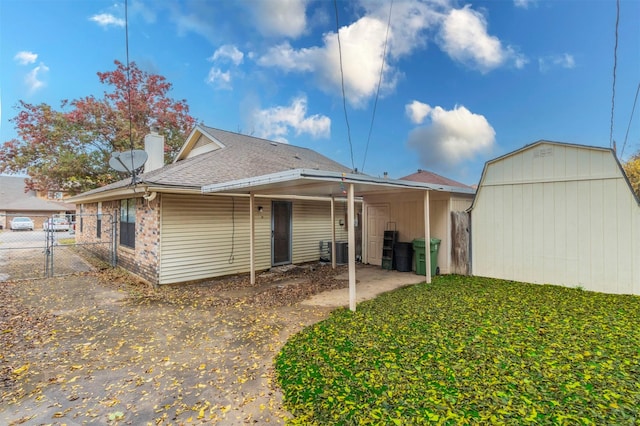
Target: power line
point(375, 104)
point(126, 32)
point(344, 97)
point(635, 100)
point(615, 65)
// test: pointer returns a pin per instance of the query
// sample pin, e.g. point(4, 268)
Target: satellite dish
point(128, 161)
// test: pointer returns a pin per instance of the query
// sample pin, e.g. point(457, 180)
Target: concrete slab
point(371, 281)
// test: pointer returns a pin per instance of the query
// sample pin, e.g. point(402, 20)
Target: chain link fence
point(39, 246)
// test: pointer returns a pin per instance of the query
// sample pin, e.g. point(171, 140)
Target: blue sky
point(462, 82)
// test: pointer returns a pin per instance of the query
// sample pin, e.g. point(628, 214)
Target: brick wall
point(143, 259)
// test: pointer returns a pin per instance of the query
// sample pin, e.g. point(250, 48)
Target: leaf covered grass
point(469, 350)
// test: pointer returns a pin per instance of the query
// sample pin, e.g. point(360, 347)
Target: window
point(99, 221)
point(128, 222)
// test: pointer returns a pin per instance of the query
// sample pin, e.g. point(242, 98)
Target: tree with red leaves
point(69, 150)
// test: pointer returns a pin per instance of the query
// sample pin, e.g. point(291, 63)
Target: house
point(14, 201)
point(557, 213)
point(232, 203)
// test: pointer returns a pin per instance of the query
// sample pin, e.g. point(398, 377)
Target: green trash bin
point(419, 250)
point(435, 245)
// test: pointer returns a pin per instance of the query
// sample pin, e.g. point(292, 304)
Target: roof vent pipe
point(154, 146)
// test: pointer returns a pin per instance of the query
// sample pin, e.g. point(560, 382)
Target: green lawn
point(469, 350)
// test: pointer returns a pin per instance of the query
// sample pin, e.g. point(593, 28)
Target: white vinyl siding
point(198, 238)
point(560, 215)
point(196, 235)
point(311, 223)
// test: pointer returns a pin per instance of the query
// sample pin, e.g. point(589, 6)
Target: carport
point(327, 186)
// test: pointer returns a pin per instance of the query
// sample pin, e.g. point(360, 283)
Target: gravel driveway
point(103, 349)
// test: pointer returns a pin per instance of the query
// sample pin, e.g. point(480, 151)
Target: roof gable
point(550, 161)
point(198, 142)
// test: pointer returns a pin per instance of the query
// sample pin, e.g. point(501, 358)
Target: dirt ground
point(99, 348)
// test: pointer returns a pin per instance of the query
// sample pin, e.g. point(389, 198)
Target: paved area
point(370, 282)
point(114, 352)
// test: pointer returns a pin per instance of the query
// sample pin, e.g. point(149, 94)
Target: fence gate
point(36, 246)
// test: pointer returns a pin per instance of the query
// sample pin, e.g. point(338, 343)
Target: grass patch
point(468, 350)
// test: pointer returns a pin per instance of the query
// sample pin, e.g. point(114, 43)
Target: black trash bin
point(403, 253)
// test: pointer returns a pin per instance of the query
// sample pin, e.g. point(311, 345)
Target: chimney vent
point(154, 146)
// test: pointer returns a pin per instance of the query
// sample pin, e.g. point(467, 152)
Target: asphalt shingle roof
point(241, 157)
point(426, 176)
point(13, 197)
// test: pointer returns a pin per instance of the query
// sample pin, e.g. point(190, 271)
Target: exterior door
point(377, 218)
point(281, 233)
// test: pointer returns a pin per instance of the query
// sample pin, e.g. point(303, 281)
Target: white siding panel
point(201, 238)
point(570, 220)
point(311, 223)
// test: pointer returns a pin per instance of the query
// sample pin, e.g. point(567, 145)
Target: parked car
point(56, 224)
point(21, 224)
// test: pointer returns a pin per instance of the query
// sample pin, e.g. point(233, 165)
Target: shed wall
point(559, 215)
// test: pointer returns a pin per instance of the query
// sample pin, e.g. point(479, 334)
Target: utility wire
point(615, 65)
point(126, 32)
point(344, 97)
point(635, 100)
point(375, 104)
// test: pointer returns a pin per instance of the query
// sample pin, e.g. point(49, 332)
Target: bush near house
point(469, 350)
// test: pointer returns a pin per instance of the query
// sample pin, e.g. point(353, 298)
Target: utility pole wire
point(635, 100)
point(615, 65)
point(344, 97)
point(375, 104)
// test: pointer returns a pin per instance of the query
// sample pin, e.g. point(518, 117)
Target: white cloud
point(280, 17)
point(25, 57)
point(219, 79)
point(228, 52)
point(563, 61)
point(524, 4)
point(107, 19)
point(33, 79)
point(451, 137)
point(464, 37)
point(362, 45)
point(275, 123)
point(417, 111)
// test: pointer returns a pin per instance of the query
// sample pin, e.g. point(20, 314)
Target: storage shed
point(557, 213)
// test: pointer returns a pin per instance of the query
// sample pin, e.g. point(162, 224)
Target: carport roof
point(306, 182)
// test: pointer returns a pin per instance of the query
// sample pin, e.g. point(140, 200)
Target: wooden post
point(252, 236)
point(333, 233)
point(351, 248)
point(427, 238)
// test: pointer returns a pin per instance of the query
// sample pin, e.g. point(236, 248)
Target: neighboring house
point(560, 214)
point(14, 201)
point(232, 203)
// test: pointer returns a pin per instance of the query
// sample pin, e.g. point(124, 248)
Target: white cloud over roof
point(228, 52)
point(275, 123)
point(280, 17)
point(33, 79)
point(417, 111)
point(451, 137)
point(464, 37)
point(107, 19)
point(25, 57)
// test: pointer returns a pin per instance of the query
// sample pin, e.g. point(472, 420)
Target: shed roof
point(563, 144)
